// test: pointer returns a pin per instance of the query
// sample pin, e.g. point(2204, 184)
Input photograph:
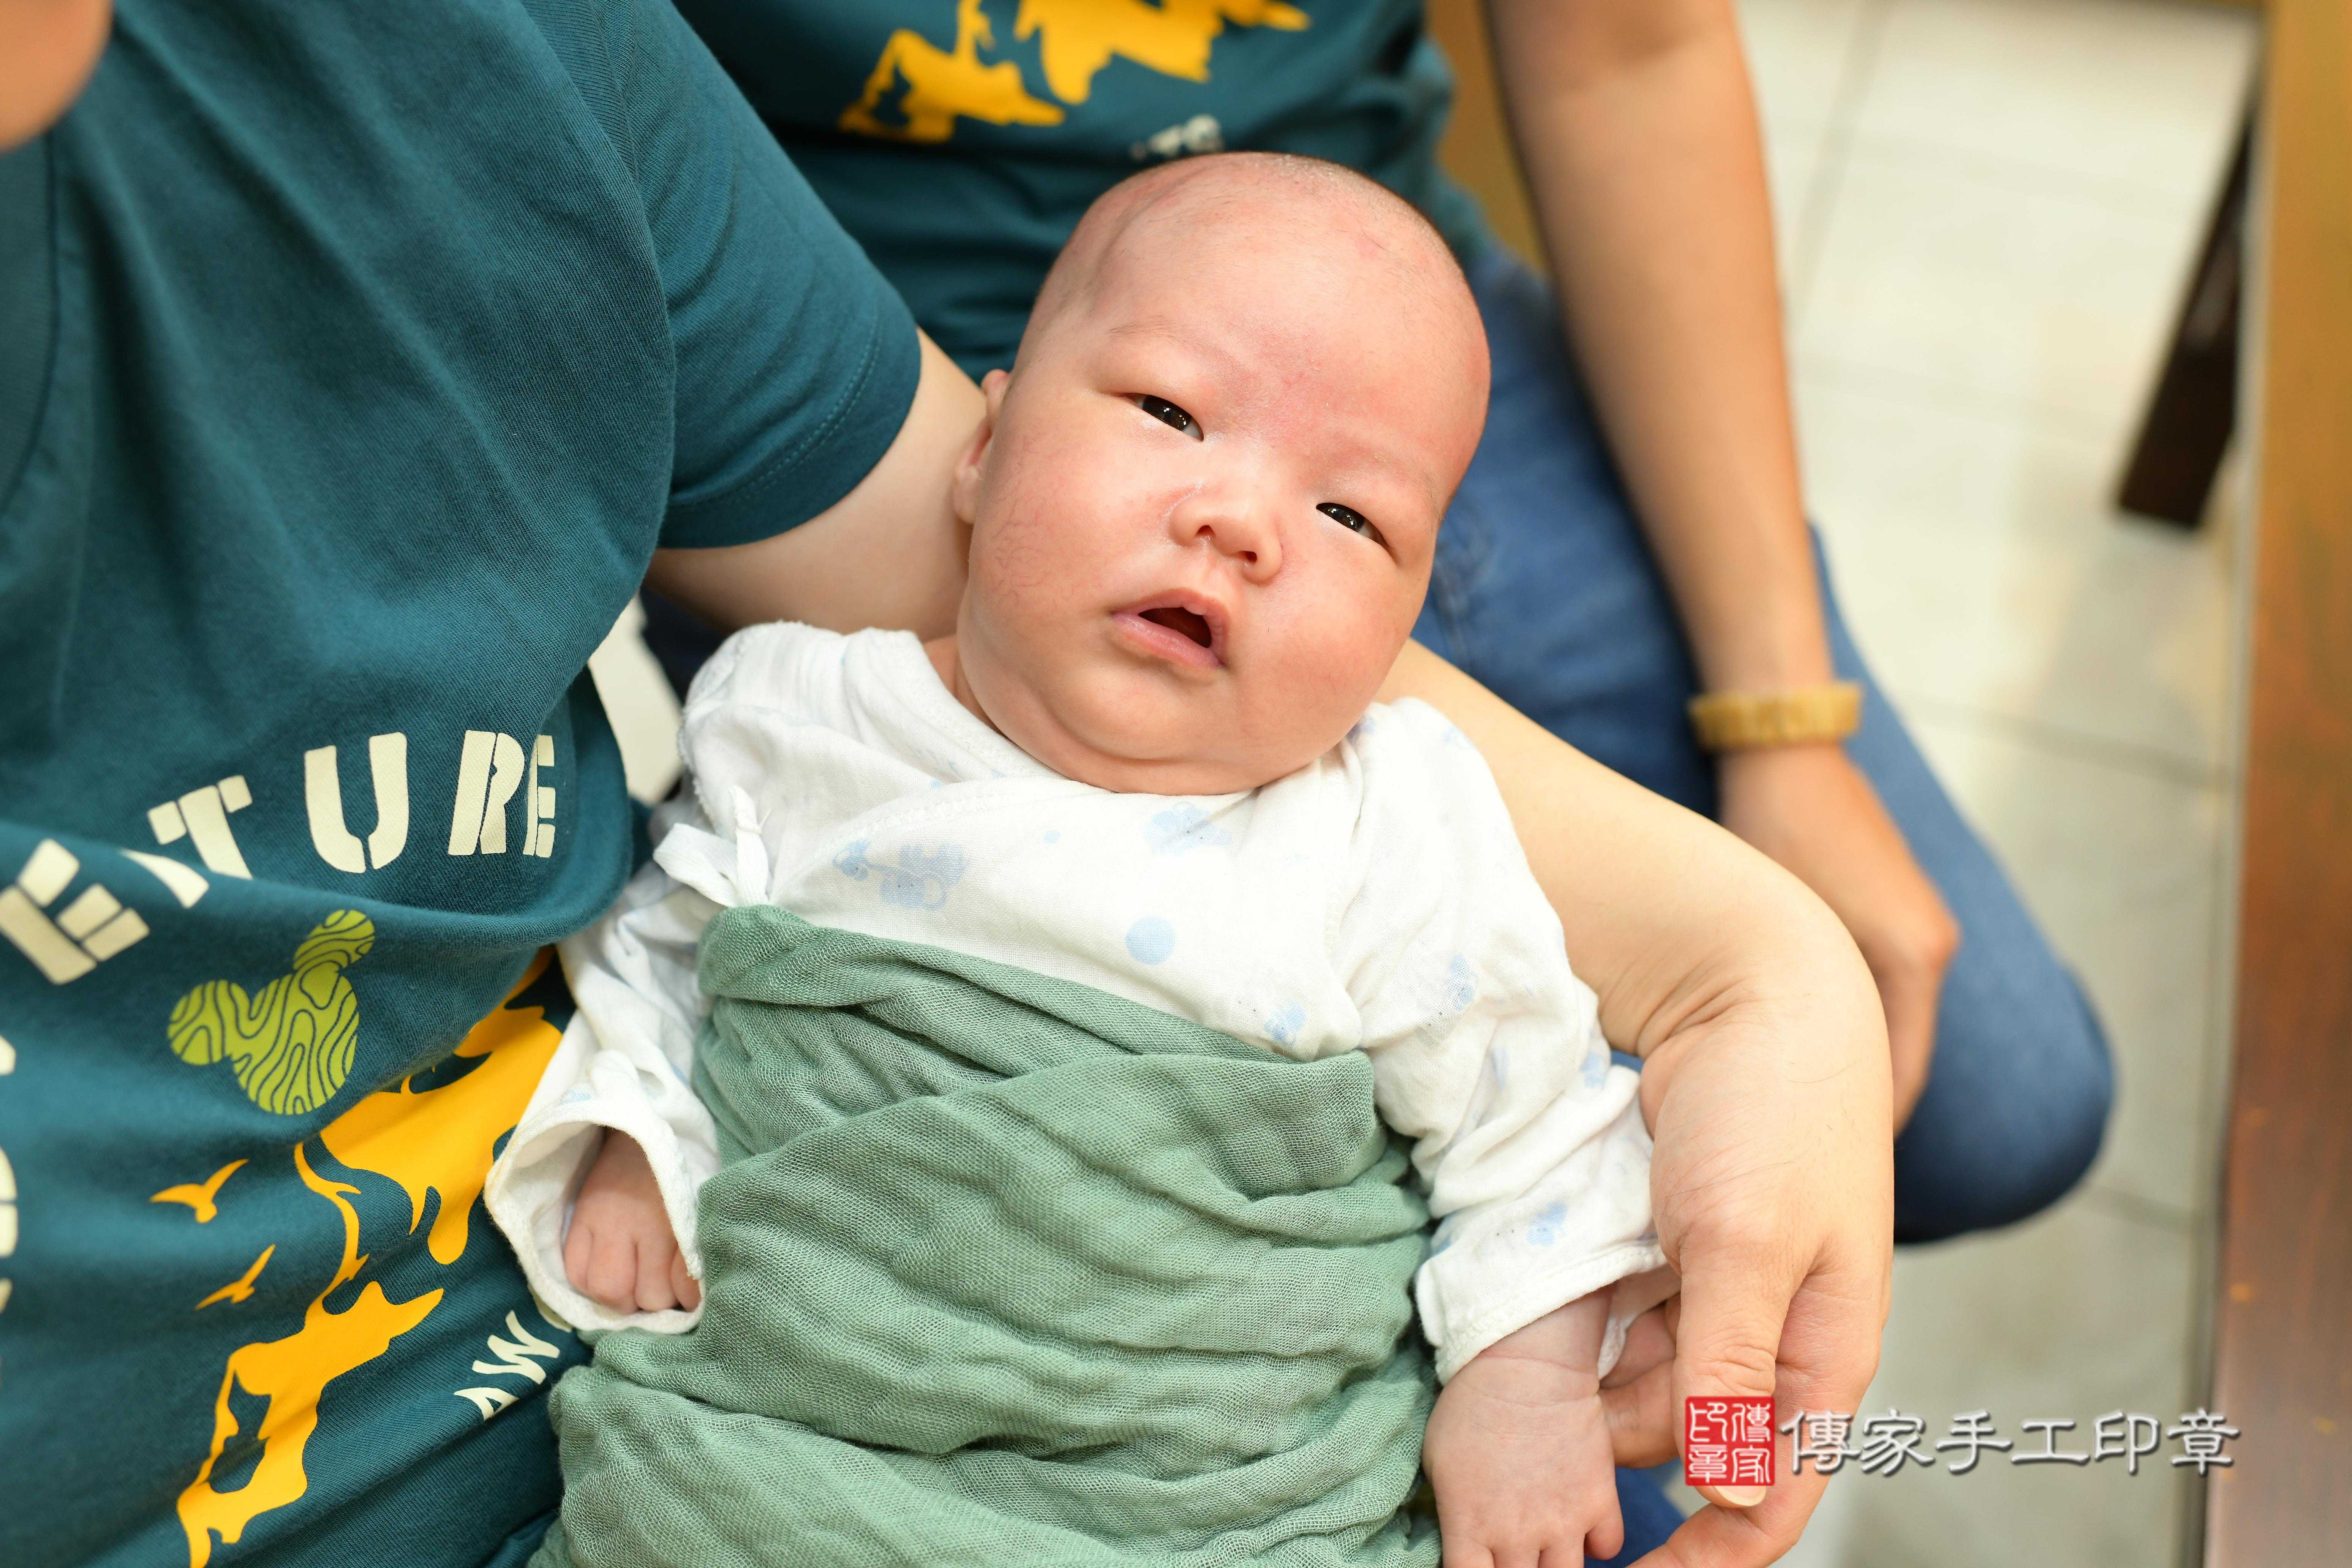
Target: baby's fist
point(1519, 1455)
point(620, 1251)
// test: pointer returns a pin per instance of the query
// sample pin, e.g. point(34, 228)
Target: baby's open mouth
point(1181, 620)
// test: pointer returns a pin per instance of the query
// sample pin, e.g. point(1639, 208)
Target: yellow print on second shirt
point(428, 1140)
point(1075, 39)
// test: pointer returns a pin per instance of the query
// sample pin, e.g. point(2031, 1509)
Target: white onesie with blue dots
point(1376, 899)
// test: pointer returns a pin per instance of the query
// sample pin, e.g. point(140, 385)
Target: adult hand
point(1764, 1082)
point(1811, 809)
point(1773, 1182)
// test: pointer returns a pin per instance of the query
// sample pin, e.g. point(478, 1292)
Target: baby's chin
point(1131, 766)
point(1128, 759)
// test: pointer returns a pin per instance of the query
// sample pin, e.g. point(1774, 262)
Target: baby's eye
point(1168, 414)
point(1348, 518)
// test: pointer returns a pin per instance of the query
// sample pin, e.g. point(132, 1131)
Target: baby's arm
point(597, 1187)
point(1487, 1051)
point(1518, 1448)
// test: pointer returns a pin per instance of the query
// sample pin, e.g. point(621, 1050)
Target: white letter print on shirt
point(202, 815)
point(85, 934)
point(322, 793)
point(516, 1355)
point(490, 770)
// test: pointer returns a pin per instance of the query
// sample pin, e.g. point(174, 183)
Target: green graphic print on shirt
point(292, 1045)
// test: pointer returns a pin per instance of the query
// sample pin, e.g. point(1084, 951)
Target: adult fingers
point(1907, 936)
point(1736, 1302)
point(1649, 1341)
point(1828, 1352)
point(1909, 989)
point(1641, 1416)
point(1637, 1396)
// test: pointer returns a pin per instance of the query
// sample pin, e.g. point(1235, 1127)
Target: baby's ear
point(965, 493)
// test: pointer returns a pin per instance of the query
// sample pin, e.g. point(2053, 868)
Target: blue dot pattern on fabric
point(1283, 1027)
point(1546, 1229)
point(1150, 940)
point(1460, 984)
point(1183, 826)
point(852, 862)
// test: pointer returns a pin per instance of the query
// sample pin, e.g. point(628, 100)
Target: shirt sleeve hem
point(814, 473)
point(1460, 1329)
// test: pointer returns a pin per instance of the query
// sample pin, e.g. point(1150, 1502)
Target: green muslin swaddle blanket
point(1003, 1269)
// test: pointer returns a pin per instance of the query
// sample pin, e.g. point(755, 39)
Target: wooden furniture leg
point(2282, 1327)
point(2190, 420)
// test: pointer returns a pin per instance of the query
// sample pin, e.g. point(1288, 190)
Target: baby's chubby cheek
point(1329, 683)
point(1045, 550)
point(1019, 558)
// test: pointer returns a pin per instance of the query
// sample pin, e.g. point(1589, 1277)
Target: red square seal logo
point(1727, 1440)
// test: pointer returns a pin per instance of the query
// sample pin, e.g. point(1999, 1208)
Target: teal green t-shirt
point(354, 358)
point(960, 141)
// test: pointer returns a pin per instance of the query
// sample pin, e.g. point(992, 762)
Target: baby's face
point(1204, 504)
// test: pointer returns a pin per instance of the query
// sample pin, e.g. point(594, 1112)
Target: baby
point(1148, 762)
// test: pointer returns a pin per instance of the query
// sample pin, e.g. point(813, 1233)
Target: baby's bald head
point(1278, 201)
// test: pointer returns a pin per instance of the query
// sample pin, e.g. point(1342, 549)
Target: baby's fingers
point(603, 1263)
point(682, 1282)
point(660, 1264)
point(575, 1255)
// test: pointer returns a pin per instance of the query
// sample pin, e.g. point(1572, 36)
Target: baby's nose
point(1242, 532)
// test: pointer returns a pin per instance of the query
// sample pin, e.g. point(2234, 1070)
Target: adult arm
point(1765, 1080)
point(48, 49)
point(1637, 130)
point(814, 427)
point(888, 554)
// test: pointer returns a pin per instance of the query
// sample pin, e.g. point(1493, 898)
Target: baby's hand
point(620, 1250)
point(1518, 1451)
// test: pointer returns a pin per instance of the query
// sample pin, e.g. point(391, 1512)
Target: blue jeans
point(1544, 590)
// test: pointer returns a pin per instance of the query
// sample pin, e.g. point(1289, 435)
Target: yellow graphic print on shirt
point(437, 1140)
point(200, 1196)
point(292, 1045)
point(1075, 38)
point(241, 1287)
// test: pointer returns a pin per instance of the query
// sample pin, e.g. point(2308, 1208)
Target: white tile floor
point(1987, 209)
